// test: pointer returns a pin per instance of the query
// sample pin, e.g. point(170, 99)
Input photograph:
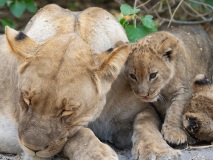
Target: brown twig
point(135, 4)
point(199, 147)
point(159, 9)
point(143, 4)
point(193, 10)
point(189, 13)
point(171, 19)
point(205, 4)
point(182, 22)
point(169, 7)
point(120, 1)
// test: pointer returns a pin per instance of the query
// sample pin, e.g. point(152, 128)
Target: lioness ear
point(111, 65)
point(167, 48)
point(21, 45)
point(201, 83)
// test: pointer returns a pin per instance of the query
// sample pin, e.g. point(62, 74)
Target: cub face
point(150, 65)
point(61, 88)
point(198, 113)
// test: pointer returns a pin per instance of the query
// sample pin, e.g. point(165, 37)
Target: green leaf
point(210, 2)
point(127, 9)
point(31, 7)
point(148, 22)
point(6, 22)
point(2, 2)
point(17, 8)
point(123, 22)
point(134, 34)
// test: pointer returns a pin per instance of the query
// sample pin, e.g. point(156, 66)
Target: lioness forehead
point(60, 69)
point(48, 94)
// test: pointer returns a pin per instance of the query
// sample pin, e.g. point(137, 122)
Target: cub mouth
point(148, 99)
point(151, 98)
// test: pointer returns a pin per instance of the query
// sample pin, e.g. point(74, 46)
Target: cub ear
point(20, 44)
point(110, 65)
point(167, 48)
point(201, 83)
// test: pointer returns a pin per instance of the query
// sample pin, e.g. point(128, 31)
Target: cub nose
point(141, 93)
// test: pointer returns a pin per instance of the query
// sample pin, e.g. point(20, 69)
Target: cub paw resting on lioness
point(198, 113)
point(161, 68)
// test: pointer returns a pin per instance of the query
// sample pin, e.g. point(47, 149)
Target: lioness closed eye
point(161, 68)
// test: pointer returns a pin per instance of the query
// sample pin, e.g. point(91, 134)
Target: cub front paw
point(173, 135)
point(154, 151)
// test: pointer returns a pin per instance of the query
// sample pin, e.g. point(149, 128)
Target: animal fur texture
point(198, 112)
point(161, 68)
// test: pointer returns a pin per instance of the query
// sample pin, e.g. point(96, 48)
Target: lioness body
point(162, 67)
point(56, 82)
point(73, 44)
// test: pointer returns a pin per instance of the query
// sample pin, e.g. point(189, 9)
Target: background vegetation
point(136, 16)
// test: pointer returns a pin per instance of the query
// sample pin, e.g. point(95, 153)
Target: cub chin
point(198, 113)
point(161, 68)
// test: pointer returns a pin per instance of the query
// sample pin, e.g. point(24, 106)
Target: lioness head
point(198, 113)
point(150, 65)
point(61, 88)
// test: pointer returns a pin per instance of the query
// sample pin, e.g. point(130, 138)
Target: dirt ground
point(196, 154)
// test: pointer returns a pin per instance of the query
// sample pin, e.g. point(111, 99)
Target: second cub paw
point(154, 151)
point(173, 135)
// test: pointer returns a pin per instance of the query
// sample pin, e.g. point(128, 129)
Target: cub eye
point(133, 77)
point(153, 75)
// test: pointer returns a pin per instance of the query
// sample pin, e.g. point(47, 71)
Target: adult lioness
point(50, 85)
point(198, 112)
point(161, 68)
point(61, 85)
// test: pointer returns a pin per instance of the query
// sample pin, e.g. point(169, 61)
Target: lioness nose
point(33, 142)
point(34, 146)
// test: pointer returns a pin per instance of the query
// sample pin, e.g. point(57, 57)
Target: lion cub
point(198, 113)
point(161, 68)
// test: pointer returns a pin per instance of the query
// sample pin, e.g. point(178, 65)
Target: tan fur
point(161, 68)
point(53, 87)
point(55, 82)
point(198, 112)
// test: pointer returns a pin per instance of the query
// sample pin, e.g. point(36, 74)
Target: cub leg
point(172, 129)
point(148, 143)
point(8, 136)
point(84, 145)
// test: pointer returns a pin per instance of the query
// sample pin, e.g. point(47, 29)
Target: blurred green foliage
point(17, 8)
point(136, 26)
point(210, 2)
